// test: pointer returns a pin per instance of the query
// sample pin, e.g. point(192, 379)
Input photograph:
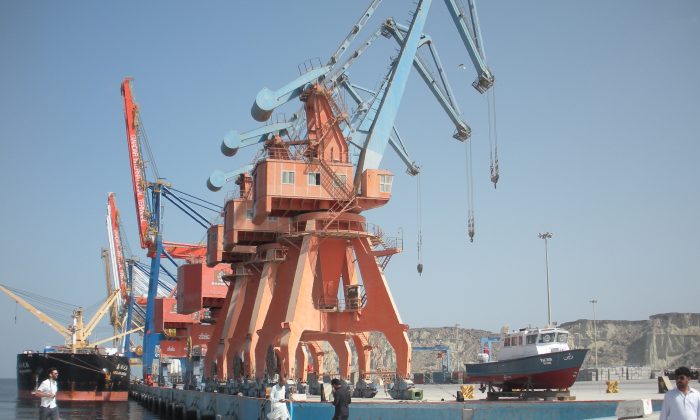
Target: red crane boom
point(138, 170)
point(177, 250)
point(117, 244)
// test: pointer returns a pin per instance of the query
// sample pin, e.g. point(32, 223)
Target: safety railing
point(342, 305)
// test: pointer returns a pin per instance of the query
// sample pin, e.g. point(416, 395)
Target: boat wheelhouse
point(533, 341)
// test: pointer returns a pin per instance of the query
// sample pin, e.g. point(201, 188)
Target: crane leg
point(302, 360)
point(364, 354)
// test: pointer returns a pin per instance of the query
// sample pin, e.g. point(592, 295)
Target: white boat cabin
point(533, 341)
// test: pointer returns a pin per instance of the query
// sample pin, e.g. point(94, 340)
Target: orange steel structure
point(306, 266)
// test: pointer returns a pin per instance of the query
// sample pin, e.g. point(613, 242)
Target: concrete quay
point(591, 402)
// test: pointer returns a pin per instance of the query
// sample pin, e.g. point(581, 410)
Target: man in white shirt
point(278, 409)
point(47, 391)
point(682, 403)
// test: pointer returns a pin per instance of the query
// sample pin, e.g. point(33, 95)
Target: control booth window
point(341, 181)
point(314, 178)
point(385, 182)
point(288, 177)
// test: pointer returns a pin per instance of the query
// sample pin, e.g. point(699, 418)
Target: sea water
point(12, 408)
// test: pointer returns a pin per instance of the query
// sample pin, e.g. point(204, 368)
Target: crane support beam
point(358, 136)
point(233, 140)
point(268, 100)
point(444, 98)
point(484, 79)
point(371, 154)
point(117, 336)
point(339, 73)
point(396, 143)
point(353, 32)
point(218, 178)
point(87, 330)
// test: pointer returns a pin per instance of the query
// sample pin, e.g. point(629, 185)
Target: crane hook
point(470, 228)
point(494, 174)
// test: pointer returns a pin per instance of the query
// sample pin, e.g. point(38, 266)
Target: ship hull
point(556, 370)
point(81, 377)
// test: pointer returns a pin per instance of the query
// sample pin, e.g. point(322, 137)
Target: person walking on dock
point(341, 400)
point(47, 391)
point(278, 402)
point(683, 402)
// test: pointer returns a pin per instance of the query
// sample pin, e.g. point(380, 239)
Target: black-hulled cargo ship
point(81, 376)
point(85, 373)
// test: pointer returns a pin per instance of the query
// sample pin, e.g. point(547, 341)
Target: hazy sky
point(597, 111)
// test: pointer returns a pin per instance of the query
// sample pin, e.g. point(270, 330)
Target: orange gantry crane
point(316, 271)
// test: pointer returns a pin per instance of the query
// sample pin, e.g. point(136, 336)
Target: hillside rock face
point(663, 341)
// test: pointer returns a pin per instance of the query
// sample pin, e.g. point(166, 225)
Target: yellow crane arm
point(65, 332)
point(99, 314)
point(116, 336)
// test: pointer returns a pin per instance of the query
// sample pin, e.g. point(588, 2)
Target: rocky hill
point(662, 341)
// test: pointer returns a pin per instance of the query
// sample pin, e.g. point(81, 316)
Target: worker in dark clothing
point(341, 400)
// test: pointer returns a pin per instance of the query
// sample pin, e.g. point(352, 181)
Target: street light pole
point(546, 236)
point(595, 338)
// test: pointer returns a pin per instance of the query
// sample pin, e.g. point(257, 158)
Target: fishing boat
point(530, 359)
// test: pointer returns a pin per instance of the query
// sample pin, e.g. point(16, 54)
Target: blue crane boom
point(445, 99)
point(233, 140)
point(371, 127)
point(473, 43)
point(267, 100)
point(378, 136)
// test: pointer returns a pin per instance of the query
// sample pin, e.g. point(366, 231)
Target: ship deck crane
point(75, 335)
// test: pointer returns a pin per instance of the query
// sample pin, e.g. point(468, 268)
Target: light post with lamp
point(595, 338)
point(546, 236)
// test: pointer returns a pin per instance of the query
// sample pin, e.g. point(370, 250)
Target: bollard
point(191, 414)
point(179, 412)
point(465, 392)
point(664, 384)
